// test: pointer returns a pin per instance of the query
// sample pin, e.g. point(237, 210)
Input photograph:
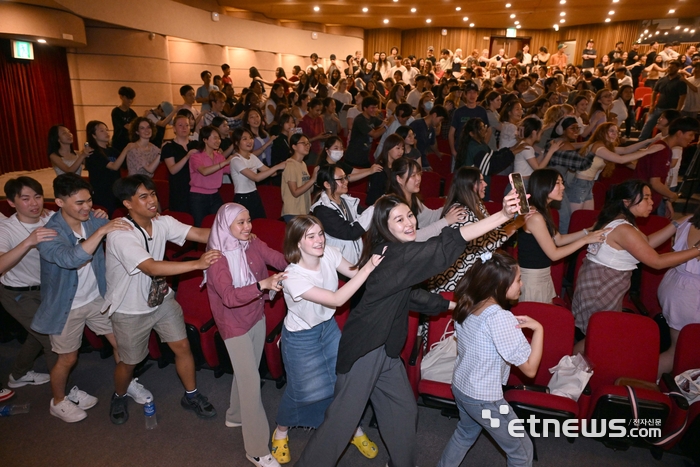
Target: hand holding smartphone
point(517, 181)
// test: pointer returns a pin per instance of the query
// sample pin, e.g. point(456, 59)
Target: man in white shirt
point(20, 283)
point(314, 63)
point(622, 78)
point(691, 105)
point(445, 59)
point(413, 97)
point(138, 299)
point(527, 58)
point(500, 58)
point(72, 286)
point(409, 76)
point(668, 54)
point(397, 66)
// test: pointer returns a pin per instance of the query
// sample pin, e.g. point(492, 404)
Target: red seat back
point(498, 188)
point(640, 92)
point(434, 203)
point(440, 164)
point(270, 231)
point(5, 208)
point(599, 190)
point(558, 324)
point(622, 345)
point(687, 356)
point(493, 206)
point(360, 195)
point(226, 192)
point(430, 185)
point(162, 172)
point(163, 192)
point(272, 200)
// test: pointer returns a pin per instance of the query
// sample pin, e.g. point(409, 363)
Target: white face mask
point(336, 155)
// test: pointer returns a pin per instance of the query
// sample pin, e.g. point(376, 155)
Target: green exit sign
point(22, 50)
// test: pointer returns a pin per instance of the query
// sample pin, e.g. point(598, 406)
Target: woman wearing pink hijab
point(237, 290)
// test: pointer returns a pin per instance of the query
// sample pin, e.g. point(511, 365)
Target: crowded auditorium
point(317, 233)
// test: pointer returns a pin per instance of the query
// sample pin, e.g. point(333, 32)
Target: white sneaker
point(137, 392)
point(266, 461)
point(81, 398)
point(67, 411)
point(32, 377)
point(232, 424)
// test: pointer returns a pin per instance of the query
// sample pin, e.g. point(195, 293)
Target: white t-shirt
point(127, 286)
point(672, 179)
point(270, 116)
point(238, 164)
point(620, 110)
point(521, 164)
point(413, 98)
point(303, 314)
point(88, 290)
point(344, 97)
point(27, 272)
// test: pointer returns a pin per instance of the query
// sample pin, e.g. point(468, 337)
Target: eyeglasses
point(345, 178)
point(305, 143)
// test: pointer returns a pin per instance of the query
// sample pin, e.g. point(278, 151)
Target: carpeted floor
point(181, 439)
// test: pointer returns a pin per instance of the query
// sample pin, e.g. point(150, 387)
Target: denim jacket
point(60, 260)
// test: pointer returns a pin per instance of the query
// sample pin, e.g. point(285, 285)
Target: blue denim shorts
point(579, 190)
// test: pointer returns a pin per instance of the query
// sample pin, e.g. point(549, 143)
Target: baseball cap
point(470, 85)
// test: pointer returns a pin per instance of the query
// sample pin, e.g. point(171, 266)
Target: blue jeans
point(518, 450)
point(309, 359)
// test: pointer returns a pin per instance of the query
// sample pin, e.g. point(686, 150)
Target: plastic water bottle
point(14, 409)
point(149, 412)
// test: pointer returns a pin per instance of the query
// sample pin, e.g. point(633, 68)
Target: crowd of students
point(556, 124)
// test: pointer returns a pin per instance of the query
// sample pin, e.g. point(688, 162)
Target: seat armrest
point(207, 326)
point(416, 352)
point(274, 333)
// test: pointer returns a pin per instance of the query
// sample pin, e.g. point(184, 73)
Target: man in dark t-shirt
point(122, 117)
point(669, 93)
point(365, 128)
point(463, 114)
point(424, 129)
point(589, 55)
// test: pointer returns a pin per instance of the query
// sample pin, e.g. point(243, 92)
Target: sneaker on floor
point(67, 411)
point(232, 424)
point(6, 393)
point(137, 392)
point(118, 411)
point(81, 398)
point(265, 461)
point(199, 404)
point(32, 377)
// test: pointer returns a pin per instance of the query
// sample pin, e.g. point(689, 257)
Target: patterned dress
point(447, 281)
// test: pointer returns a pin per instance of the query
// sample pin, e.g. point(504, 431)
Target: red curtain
point(34, 95)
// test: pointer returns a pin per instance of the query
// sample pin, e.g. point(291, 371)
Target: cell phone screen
point(517, 181)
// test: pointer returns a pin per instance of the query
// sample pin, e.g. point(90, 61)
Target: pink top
point(207, 184)
point(237, 309)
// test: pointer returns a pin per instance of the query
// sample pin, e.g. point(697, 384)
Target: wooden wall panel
point(416, 41)
point(381, 40)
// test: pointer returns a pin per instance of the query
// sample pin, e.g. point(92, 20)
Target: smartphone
point(517, 181)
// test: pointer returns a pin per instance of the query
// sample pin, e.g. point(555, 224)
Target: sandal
point(365, 446)
point(280, 449)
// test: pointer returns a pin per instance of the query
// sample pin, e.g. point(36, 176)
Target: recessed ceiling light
point(471, 25)
point(459, 8)
point(686, 30)
point(607, 20)
point(646, 31)
point(562, 2)
point(395, 1)
point(562, 14)
point(365, 10)
point(562, 21)
point(656, 33)
point(692, 31)
point(428, 20)
point(615, 1)
point(666, 34)
point(41, 41)
point(512, 16)
point(677, 28)
point(671, 11)
point(317, 8)
point(517, 27)
point(517, 22)
point(413, 10)
point(465, 19)
point(507, 5)
point(386, 21)
point(611, 12)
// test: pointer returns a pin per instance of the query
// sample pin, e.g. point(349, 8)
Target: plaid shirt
point(486, 347)
point(571, 159)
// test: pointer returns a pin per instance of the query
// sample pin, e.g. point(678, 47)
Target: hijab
point(232, 248)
